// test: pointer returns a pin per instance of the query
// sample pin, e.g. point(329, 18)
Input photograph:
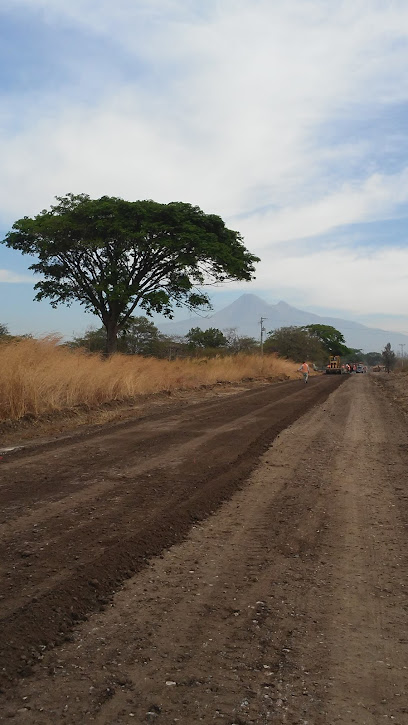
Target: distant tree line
point(312, 342)
point(5, 335)
point(142, 337)
point(317, 342)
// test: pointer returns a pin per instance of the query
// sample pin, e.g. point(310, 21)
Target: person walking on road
point(304, 368)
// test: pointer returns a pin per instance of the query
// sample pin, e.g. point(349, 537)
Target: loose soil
point(239, 560)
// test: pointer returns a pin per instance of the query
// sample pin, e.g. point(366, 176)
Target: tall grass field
point(39, 377)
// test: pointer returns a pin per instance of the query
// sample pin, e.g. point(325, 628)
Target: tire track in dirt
point(361, 610)
point(285, 606)
point(147, 482)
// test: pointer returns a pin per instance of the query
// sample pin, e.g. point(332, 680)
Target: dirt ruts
point(81, 515)
point(286, 605)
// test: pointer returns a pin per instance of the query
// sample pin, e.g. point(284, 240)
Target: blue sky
point(287, 118)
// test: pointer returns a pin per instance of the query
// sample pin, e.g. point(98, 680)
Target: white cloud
point(341, 279)
point(222, 105)
point(372, 199)
point(236, 102)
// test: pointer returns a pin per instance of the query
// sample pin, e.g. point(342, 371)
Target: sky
point(287, 118)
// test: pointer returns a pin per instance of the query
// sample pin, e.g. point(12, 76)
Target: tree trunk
point(111, 336)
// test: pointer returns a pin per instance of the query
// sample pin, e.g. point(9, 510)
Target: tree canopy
point(295, 343)
point(331, 339)
point(140, 337)
point(112, 255)
point(374, 358)
point(206, 338)
point(388, 356)
point(308, 342)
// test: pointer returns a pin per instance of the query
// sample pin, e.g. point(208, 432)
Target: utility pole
point(261, 321)
point(402, 345)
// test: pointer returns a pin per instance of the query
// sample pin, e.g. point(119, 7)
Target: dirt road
point(286, 605)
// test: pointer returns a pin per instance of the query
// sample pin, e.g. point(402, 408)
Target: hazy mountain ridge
point(244, 314)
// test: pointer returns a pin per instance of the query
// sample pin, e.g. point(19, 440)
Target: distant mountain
point(245, 313)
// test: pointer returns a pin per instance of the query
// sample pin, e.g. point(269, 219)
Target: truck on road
point(334, 366)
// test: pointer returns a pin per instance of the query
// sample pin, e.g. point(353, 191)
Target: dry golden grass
point(39, 377)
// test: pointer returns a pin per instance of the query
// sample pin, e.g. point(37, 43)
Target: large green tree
point(295, 343)
point(113, 255)
point(331, 339)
